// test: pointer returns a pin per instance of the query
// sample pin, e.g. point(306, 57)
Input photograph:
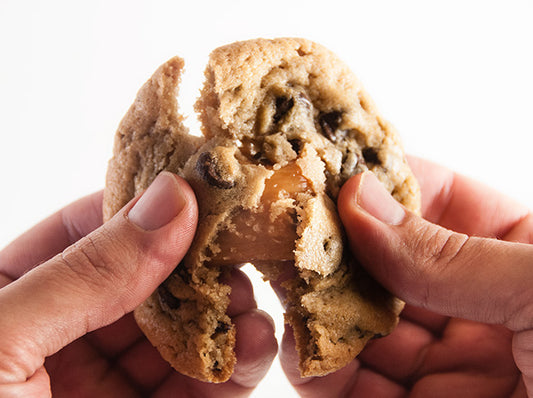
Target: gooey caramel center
point(265, 235)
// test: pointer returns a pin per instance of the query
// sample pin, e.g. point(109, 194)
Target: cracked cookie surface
point(285, 123)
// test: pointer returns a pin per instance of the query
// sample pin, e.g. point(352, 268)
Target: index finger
point(51, 236)
point(457, 202)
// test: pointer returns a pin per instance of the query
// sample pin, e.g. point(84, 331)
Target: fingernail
point(375, 200)
point(159, 204)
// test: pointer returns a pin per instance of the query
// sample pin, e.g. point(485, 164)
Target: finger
point(373, 384)
point(36, 386)
point(256, 348)
point(117, 337)
point(432, 267)
point(399, 355)
point(4, 280)
point(80, 367)
point(431, 321)
point(464, 205)
point(469, 345)
point(98, 279)
point(522, 343)
point(51, 236)
point(143, 364)
point(522, 231)
point(242, 293)
point(461, 384)
point(471, 356)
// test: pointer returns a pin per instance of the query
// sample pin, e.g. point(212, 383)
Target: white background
point(454, 77)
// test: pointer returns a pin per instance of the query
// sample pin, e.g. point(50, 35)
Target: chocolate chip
point(361, 333)
point(222, 327)
point(166, 299)
point(207, 166)
point(371, 156)
point(296, 145)
point(260, 158)
point(283, 106)
point(329, 122)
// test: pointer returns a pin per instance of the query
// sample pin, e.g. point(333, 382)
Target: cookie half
point(285, 124)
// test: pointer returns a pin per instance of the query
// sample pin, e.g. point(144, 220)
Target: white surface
point(454, 77)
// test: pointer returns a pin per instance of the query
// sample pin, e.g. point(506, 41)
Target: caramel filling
point(265, 235)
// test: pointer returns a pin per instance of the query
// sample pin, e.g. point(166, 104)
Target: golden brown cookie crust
point(285, 124)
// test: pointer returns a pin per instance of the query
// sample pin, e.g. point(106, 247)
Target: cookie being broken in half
point(285, 123)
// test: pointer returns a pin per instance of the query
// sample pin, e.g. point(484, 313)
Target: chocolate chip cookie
point(284, 124)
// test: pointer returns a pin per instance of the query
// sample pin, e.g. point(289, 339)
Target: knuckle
point(437, 247)
point(435, 252)
point(100, 260)
point(13, 367)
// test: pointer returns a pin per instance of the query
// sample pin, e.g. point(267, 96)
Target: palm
point(427, 355)
point(430, 355)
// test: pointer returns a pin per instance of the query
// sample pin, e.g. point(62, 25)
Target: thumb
point(429, 266)
point(97, 280)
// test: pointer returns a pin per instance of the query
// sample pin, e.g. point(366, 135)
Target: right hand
point(467, 329)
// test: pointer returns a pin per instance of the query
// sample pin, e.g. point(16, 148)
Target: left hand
point(67, 289)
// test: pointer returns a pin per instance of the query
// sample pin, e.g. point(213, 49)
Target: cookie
point(284, 124)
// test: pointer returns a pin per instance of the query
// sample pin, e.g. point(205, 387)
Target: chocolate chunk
point(283, 106)
point(166, 299)
point(259, 157)
point(296, 145)
point(329, 122)
point(207, 166)
point(361, 333)
point(327, 245)
point(371, 156)
point(222, 327)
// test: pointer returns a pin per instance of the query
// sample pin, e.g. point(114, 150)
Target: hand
point(67, 295)
point(467, 329)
